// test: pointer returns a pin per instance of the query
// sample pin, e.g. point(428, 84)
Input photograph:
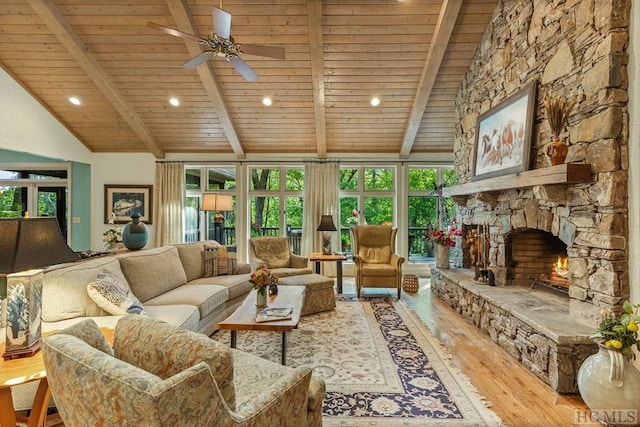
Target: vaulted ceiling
point(411, 54)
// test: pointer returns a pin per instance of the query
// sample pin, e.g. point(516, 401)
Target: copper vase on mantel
point(556, 152)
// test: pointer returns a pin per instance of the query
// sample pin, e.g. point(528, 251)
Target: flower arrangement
point(261, 278)
point(112, 236)
point(558, 111)
point(620, 332)
point(353, 219)
point(444, 237)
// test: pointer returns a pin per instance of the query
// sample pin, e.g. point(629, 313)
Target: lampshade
point(326, 224)
point(216, 202)
point(29, 243)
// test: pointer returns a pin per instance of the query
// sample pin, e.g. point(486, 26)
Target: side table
point(21, 371)
point(319, 257)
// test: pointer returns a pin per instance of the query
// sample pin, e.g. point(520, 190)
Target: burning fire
point(561, 267)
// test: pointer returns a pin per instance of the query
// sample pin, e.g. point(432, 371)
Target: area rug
point(381, 365)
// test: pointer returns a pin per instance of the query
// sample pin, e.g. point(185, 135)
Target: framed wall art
point(122, 201)
point(503, 136)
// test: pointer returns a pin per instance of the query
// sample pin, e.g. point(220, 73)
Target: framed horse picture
point(503, 136)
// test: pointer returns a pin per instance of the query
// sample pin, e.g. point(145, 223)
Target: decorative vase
point(556, 152)
point(135, 234)
point(442, 256)
point(261, 297)
point(609, 384)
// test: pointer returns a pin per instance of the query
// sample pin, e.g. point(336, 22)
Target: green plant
point(620, 332)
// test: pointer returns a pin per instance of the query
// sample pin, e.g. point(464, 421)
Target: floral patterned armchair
point(157, 374)
point(377, 264)
point(276, 253)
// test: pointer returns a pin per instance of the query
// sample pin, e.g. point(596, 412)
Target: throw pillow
point(108, 291)
point(219, 260)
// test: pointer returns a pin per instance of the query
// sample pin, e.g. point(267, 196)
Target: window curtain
point(169, 203)
point(321, 197)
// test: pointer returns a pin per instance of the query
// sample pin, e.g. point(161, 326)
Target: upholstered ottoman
point(319, 295)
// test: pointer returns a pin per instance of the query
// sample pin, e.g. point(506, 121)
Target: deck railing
point(419, 247)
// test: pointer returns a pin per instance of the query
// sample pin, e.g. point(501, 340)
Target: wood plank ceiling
point(411, 54)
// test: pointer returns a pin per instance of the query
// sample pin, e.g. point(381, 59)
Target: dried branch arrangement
point(558, 111)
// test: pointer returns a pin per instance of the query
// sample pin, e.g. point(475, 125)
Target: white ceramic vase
point(610, 386)
point(442, 256)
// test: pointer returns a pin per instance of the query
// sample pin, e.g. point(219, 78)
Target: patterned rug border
point(469, 404)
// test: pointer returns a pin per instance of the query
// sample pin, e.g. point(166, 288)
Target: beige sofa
point(167, 280)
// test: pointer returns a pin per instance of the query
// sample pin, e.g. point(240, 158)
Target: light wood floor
point(517, 395)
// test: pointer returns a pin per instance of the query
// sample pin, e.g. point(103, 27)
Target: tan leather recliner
point(377, 264)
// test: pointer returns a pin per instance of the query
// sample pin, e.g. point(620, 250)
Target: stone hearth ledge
point(533, 325)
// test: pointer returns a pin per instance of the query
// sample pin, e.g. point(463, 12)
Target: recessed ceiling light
point(375, 101)
point(74, 100)
point(266, 101)
point(174, 102)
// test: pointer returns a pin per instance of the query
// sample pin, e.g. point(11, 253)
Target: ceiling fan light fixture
point(267, 101)
point(74, 100)
point(174, 101)
point(375, 101)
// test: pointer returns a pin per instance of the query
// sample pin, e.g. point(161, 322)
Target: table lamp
point(326, 226)
point(27, 245)
point(217, 203)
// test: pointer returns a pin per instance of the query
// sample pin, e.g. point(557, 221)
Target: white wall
point(26, 126)
point(119, 169)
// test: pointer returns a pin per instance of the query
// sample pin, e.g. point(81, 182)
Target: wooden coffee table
point(244, 318)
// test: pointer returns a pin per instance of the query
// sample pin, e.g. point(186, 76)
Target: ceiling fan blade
point(197, 60)
point(243, 68)
point(221, 22)
point(175, 32)
point(260, 50)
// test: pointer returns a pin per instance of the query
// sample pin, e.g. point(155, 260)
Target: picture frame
point(503, 136)
point(122, 201)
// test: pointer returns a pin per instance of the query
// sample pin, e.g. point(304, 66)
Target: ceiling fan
point(221, 44)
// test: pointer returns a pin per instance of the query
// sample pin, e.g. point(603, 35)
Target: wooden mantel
point(569, 173)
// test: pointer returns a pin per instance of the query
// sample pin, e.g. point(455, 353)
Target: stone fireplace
point(530, 255)
point(577, 210)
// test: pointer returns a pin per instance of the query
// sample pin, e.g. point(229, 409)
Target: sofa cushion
point(110, 293)
point(183, 315)
point(64, 289)
point(191, 258)
point(153, 272)
point(237, 284)
point(205, 297)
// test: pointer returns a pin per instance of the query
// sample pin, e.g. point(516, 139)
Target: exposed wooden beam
point(446, 21)
point(61, 28)
point(314, 20)
point(184, 20)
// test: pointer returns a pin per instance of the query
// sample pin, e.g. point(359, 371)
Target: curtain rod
point(241, 162)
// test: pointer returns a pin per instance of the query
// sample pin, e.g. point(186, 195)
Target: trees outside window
point(367, 196)
point(427, 207)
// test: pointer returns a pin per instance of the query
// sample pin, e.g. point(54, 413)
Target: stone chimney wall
point(576, 49)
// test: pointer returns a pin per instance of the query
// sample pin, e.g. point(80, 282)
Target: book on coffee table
point(270, 314)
